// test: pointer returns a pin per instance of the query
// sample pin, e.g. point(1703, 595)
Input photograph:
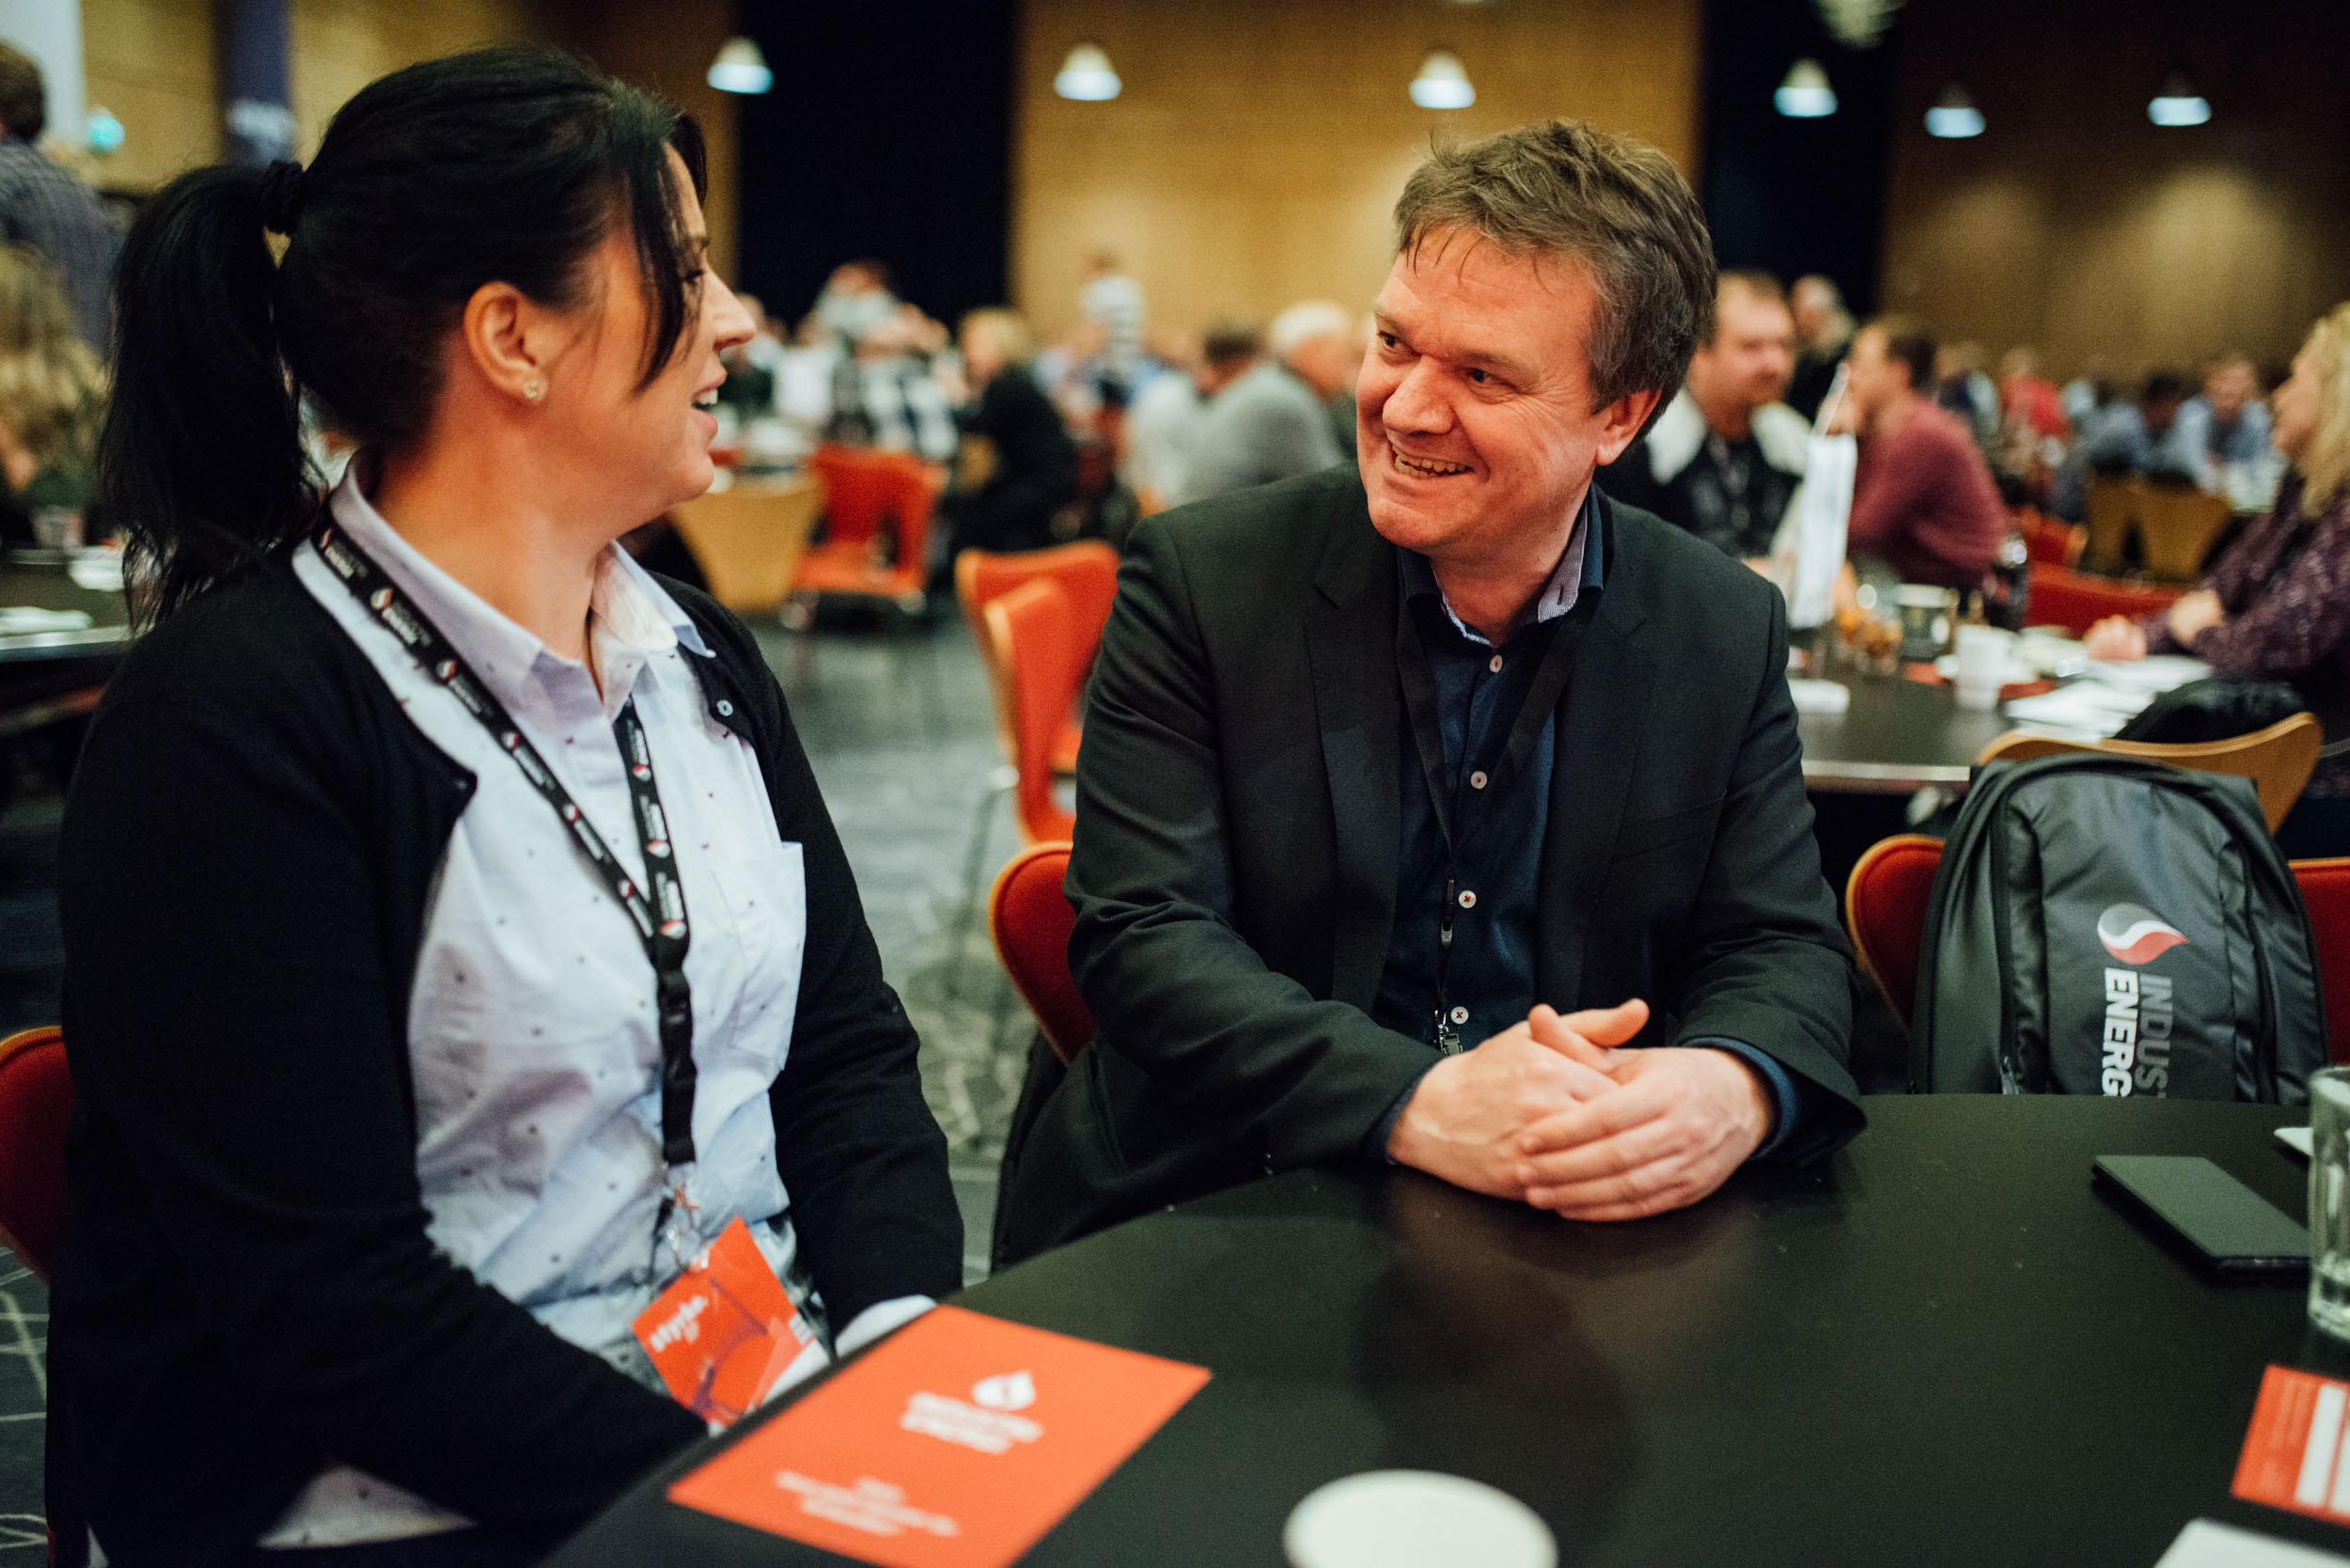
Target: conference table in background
point(1942, 1346)
point(50, 675)
point(1898, 736)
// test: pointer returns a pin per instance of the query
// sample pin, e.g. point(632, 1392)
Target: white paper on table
point(2150, 676)
point(1819, 696)
point(1820, 516)
point(2208, 1543)
point(2088, 709)
point(2296, 1140)
point(17, 618)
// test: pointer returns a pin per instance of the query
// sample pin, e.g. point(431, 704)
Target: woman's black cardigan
point(245, 1291)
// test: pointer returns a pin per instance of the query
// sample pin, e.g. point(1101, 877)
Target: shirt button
point(1477, 780)
point(1495, 664)
point(1468, 899)
point(1460, 1015)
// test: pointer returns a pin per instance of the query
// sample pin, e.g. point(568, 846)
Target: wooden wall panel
point(1257, 149)
point(667, 49)
point(2076, 224)
point(339, 46)
point(154, 64)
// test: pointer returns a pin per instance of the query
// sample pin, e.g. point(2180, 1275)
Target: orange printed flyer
point(2295, 1454)
point(956, 1444)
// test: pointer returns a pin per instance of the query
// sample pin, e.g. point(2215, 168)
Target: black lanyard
point(660, 920)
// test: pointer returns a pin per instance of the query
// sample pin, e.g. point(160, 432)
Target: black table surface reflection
point(1899, 735)
point(1941, 1347)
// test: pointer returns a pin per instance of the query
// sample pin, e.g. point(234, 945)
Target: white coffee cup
point(1416, 1519)
point(1983, 653)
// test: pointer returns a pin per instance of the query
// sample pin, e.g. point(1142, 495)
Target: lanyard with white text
point(659, 919)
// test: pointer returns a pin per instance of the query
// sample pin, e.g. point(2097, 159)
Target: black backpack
point(2107, 925)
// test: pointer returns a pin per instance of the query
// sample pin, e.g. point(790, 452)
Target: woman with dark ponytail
point(456, 944)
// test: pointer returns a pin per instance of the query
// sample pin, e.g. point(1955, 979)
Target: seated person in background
point(855, 301)
point(2123, 438)
point(53, 398)
point(2222, 433)
point(2277, 602)
point(1269, 424)
point(1923, 501)
point(1725, 457)
point(1164, 423)
point(888, 394)
point(402, 1092)
point(1960, 387)
point(1436, 809)
point(1823, 331)
point(1028, 465)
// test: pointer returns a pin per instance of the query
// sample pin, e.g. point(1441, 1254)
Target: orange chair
point(2051, 541)
point(36, 1102)
point(1030, 919)
point(1086, 571)
point(1037, 638)
point(1885, 904)
point(2076, 600)
point(862, 489)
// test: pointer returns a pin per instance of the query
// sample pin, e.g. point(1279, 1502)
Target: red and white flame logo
point(2135, 935)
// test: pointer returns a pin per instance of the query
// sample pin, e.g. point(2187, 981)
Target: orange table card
point(955, 1444)
point(2295, 1455)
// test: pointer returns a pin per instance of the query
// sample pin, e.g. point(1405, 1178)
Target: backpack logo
point(2135, 935)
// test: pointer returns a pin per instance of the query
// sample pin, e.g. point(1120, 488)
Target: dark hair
point(507, 164)
point(23, 97)
point(1230, 342)
point(1615, 204)
point(2165, 387)
point(1909, 342)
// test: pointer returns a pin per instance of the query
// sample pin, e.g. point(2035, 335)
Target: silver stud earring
point(534, 389)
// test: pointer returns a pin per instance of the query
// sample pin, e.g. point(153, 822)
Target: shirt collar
point(1580, 568)
point(626, 607)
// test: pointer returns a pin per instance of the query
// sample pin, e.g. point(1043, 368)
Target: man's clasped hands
point(1551, 1111)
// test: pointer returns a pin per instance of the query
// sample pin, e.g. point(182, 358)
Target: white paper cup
point(1983, 653)
point(1414, 1519)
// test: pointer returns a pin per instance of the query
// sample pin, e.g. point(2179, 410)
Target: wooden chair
point(1885, 905)
point(2077, 601)
point(36, 1103)
point(2112, 512)
point(2277, 760)
point(1030, 917)
point(748, 539)
point(1036, 635)
point(2177, 527)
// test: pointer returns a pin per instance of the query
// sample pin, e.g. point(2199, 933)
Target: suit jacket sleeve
point(1174, 988)
point(1765, 960)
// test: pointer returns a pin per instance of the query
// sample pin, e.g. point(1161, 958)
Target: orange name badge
point(955, 1444)
point(2297, 1454)
point(726, 1331)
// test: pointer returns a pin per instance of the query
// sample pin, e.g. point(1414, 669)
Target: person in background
point(1271, 423)
point(1340, 405)
point(46, 208)
point(2088, 392)
point(1823, 330)
point(2221, 435)
point(401, 1092)
point(1025, 466)
point(1923, 501)
point(53, 398)
point(2032, 426)
point(1725, 457)
point(1960, 387)
point(1114, 302)
point(2126, 438)
point(1163, 426)
point(888, 394)
point(2276, 604)
point(853, 304)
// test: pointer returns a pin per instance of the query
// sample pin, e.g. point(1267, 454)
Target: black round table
point(1898, 736)
point(1941, 1347)
point(46, 676)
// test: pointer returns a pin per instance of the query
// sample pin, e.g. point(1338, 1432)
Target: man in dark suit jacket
point(1390, 761)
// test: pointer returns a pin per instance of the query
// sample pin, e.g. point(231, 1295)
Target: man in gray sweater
point(1271, 424)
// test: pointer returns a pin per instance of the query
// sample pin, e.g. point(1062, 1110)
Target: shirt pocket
point(764, 899)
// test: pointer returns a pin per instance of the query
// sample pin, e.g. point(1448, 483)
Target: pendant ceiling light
point(1087, 76)
point(2178, 103)
point(1954, 114)
point(741, 68)
point(1443, 82)
point(1805, 94)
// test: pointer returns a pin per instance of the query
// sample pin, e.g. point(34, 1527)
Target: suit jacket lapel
point(1590, 776)
point(1350, 645)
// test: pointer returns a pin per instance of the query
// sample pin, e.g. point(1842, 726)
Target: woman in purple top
point(2277, 603)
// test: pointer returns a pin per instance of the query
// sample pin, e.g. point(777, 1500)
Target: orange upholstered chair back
point(2077, 601)
point(2325, 889)
point(862, 488)
point(36, 1102)
point(1086, 571)
point(1885, 904)
point(1030, 919)
point(1037, 640)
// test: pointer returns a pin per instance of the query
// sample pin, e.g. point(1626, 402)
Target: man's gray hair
point(1614, 204)
point(1300, 325)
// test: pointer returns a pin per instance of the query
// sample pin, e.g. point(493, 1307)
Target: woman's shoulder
point(257, 645)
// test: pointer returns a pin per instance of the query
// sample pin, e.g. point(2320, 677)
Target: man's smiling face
point(1475, 428)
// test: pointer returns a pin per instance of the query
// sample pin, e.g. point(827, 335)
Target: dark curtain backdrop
point(1793, 196)
point(887, 135)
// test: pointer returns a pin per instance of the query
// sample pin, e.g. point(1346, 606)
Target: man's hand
point(2193, 614)
point(2116, 637)
point(1679, 1121)
point(1463, 1122)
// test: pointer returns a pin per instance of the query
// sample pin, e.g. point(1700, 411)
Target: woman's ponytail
point(201, 464)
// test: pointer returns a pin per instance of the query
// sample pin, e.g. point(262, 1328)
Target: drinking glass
point(2329, 1201)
